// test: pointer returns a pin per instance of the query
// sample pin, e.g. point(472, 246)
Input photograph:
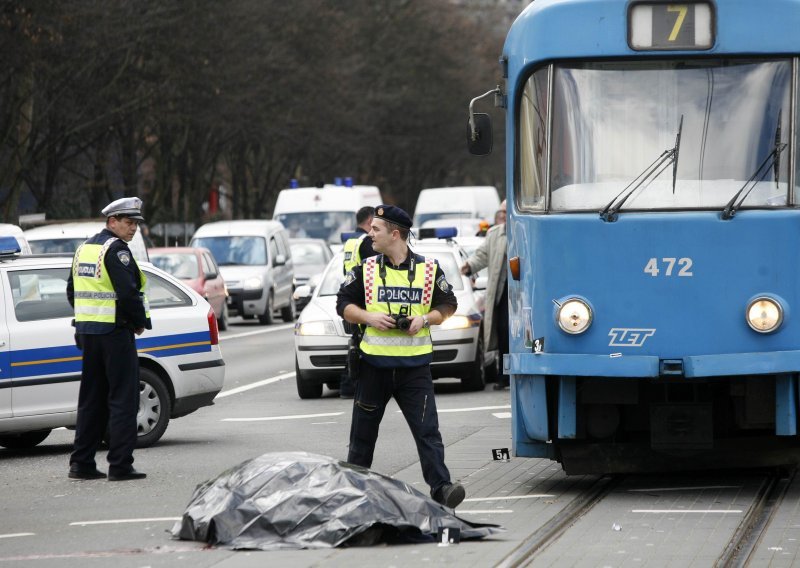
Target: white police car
point(181, 366)
point(458, 347)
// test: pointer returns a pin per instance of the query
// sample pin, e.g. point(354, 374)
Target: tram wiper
point(773, 158)
point(669, 156)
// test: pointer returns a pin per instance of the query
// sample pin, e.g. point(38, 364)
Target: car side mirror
point(302, 292)
point(280, 260)
point(479, 134)
point(210, 275)
point(480, 282)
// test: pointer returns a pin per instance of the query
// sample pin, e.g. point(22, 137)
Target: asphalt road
point(49, 520)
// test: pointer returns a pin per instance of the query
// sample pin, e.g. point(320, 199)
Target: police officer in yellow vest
point(106, 288)
point(398, 295)
point(356, 250)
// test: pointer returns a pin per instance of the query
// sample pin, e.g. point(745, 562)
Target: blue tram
point(653, 232)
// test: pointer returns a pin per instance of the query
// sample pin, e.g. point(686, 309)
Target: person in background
point(492, 253)
point(106, 288)
point(355, 250)
point(397, 296)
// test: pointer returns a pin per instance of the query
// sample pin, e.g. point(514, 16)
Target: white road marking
point(121, 521)
point(486, 512)
point(255, 385)
point(282, 417)
point(329, 422)
point(501, 414)
point(681, 511)
point(15, 535)
point(537, 496)
point(695, 488)
point(257, 332)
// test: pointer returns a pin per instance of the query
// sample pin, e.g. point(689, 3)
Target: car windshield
point(179, 264)
point(325, 225)
point(55, 245)
point(235, 250)
point(422, 218)
point(447, 261)
point(308, 253)
point(611, 119)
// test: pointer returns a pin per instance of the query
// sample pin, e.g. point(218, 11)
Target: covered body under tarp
point(299, 500)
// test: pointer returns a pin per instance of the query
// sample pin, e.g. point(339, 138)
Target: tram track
point(556, 526)
point(748, 534)
point(626, 497)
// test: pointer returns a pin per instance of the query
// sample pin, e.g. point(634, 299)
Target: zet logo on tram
point(628, 336)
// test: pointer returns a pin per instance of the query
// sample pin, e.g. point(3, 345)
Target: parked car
point(196, 267)
point(7, 229)
point(458, 347)
point(310, 257)
point(181, 366)
point(256, 263)
point(67, 237)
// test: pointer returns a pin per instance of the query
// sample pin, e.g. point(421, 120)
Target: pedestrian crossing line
point(508, 497)
point(123, 521)
point(293, 417)
point(486, 512)
point(16, 535)
point(695, 511)
point(255, 385)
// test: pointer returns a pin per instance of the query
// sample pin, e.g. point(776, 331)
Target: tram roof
point(569, 29)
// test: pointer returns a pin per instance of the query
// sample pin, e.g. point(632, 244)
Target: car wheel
point(266, 317)
point(155, 408)
point(23, 440)
point(306, 389)
point(288, 313)
point(475, 378)
point(222, 322)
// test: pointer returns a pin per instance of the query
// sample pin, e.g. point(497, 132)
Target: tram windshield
point(609, 120)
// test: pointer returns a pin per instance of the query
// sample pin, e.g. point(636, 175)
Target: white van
point(473, 202)
point(9, 230)
point(256, 262)
point(323, 212)
point(67, 237)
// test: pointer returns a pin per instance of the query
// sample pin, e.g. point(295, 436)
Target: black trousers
point(412, 388)
point(108, 398)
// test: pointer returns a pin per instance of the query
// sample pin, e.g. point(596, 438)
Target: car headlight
point(574, 316)
point(315, 328)
point(456, 322)
point(764, 315)
point(253, 283)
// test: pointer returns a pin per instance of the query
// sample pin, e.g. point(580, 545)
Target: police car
point(181, 366)
point(458, 346)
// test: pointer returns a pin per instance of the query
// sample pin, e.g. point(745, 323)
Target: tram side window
point(533, 118)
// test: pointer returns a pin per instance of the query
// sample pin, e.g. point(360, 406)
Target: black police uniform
point(109, 391)
point(412, 388)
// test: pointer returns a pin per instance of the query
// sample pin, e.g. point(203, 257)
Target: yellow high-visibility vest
point(95, 297)
point(394, 347)
point(352, 252)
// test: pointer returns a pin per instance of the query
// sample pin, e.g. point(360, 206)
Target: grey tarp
point(301, 500)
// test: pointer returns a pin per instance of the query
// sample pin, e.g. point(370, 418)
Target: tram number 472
point(669, 267)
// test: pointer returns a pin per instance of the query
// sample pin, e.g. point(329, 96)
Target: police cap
point(125, 207)
point(393, 214)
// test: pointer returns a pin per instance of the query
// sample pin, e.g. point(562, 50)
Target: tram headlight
point(574, 316)
point(764, 315)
